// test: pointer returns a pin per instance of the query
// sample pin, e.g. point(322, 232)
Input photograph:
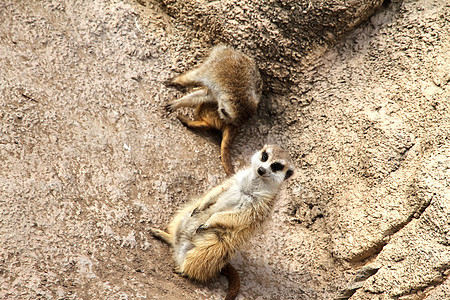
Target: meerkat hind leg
point(202, 128)
point(163, 236)
point(194, 125)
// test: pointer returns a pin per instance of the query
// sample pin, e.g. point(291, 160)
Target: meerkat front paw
point(169, 107)
point(169, 82)
point(202, 227)
point(172, 82)
point(178, 80)
point(184, 120)
point(195, 211)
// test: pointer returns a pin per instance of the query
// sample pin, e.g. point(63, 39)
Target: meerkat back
point(232, 74)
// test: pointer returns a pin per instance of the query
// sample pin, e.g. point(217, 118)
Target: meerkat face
point(273, 164)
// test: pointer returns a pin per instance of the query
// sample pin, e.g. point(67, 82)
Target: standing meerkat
point(209, 230)
point(229, 92)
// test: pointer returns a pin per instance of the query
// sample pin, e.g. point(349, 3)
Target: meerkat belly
point(180, 251)
point(214, 85)
point(184, 240)
point(232, 199)
point(208, 113)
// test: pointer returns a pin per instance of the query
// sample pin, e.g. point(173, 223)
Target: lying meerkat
point(209, 230)
point(229, 94)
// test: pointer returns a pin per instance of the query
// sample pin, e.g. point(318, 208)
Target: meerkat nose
point(261, 171)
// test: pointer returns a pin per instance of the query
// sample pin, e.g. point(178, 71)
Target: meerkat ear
point(288, 174)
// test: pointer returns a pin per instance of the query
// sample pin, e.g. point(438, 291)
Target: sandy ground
point(90, 160)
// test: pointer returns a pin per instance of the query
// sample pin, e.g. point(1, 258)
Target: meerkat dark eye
point(264, 156)
point(288, 174)
point(225, 113)
point(276, 167)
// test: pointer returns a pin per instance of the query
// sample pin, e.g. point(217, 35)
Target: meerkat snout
point(261, 171)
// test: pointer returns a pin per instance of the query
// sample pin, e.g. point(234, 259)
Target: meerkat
point(228, 94)
point(209, 230)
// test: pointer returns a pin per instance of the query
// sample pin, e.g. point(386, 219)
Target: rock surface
point(282, 35)
point(90, 161)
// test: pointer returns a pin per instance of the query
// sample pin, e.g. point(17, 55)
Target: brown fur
point(209, 230)
point(234, 283)
point(230, 82)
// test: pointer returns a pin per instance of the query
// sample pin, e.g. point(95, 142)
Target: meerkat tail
point(228, 136)
point(163, 236)
point(234, 283)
